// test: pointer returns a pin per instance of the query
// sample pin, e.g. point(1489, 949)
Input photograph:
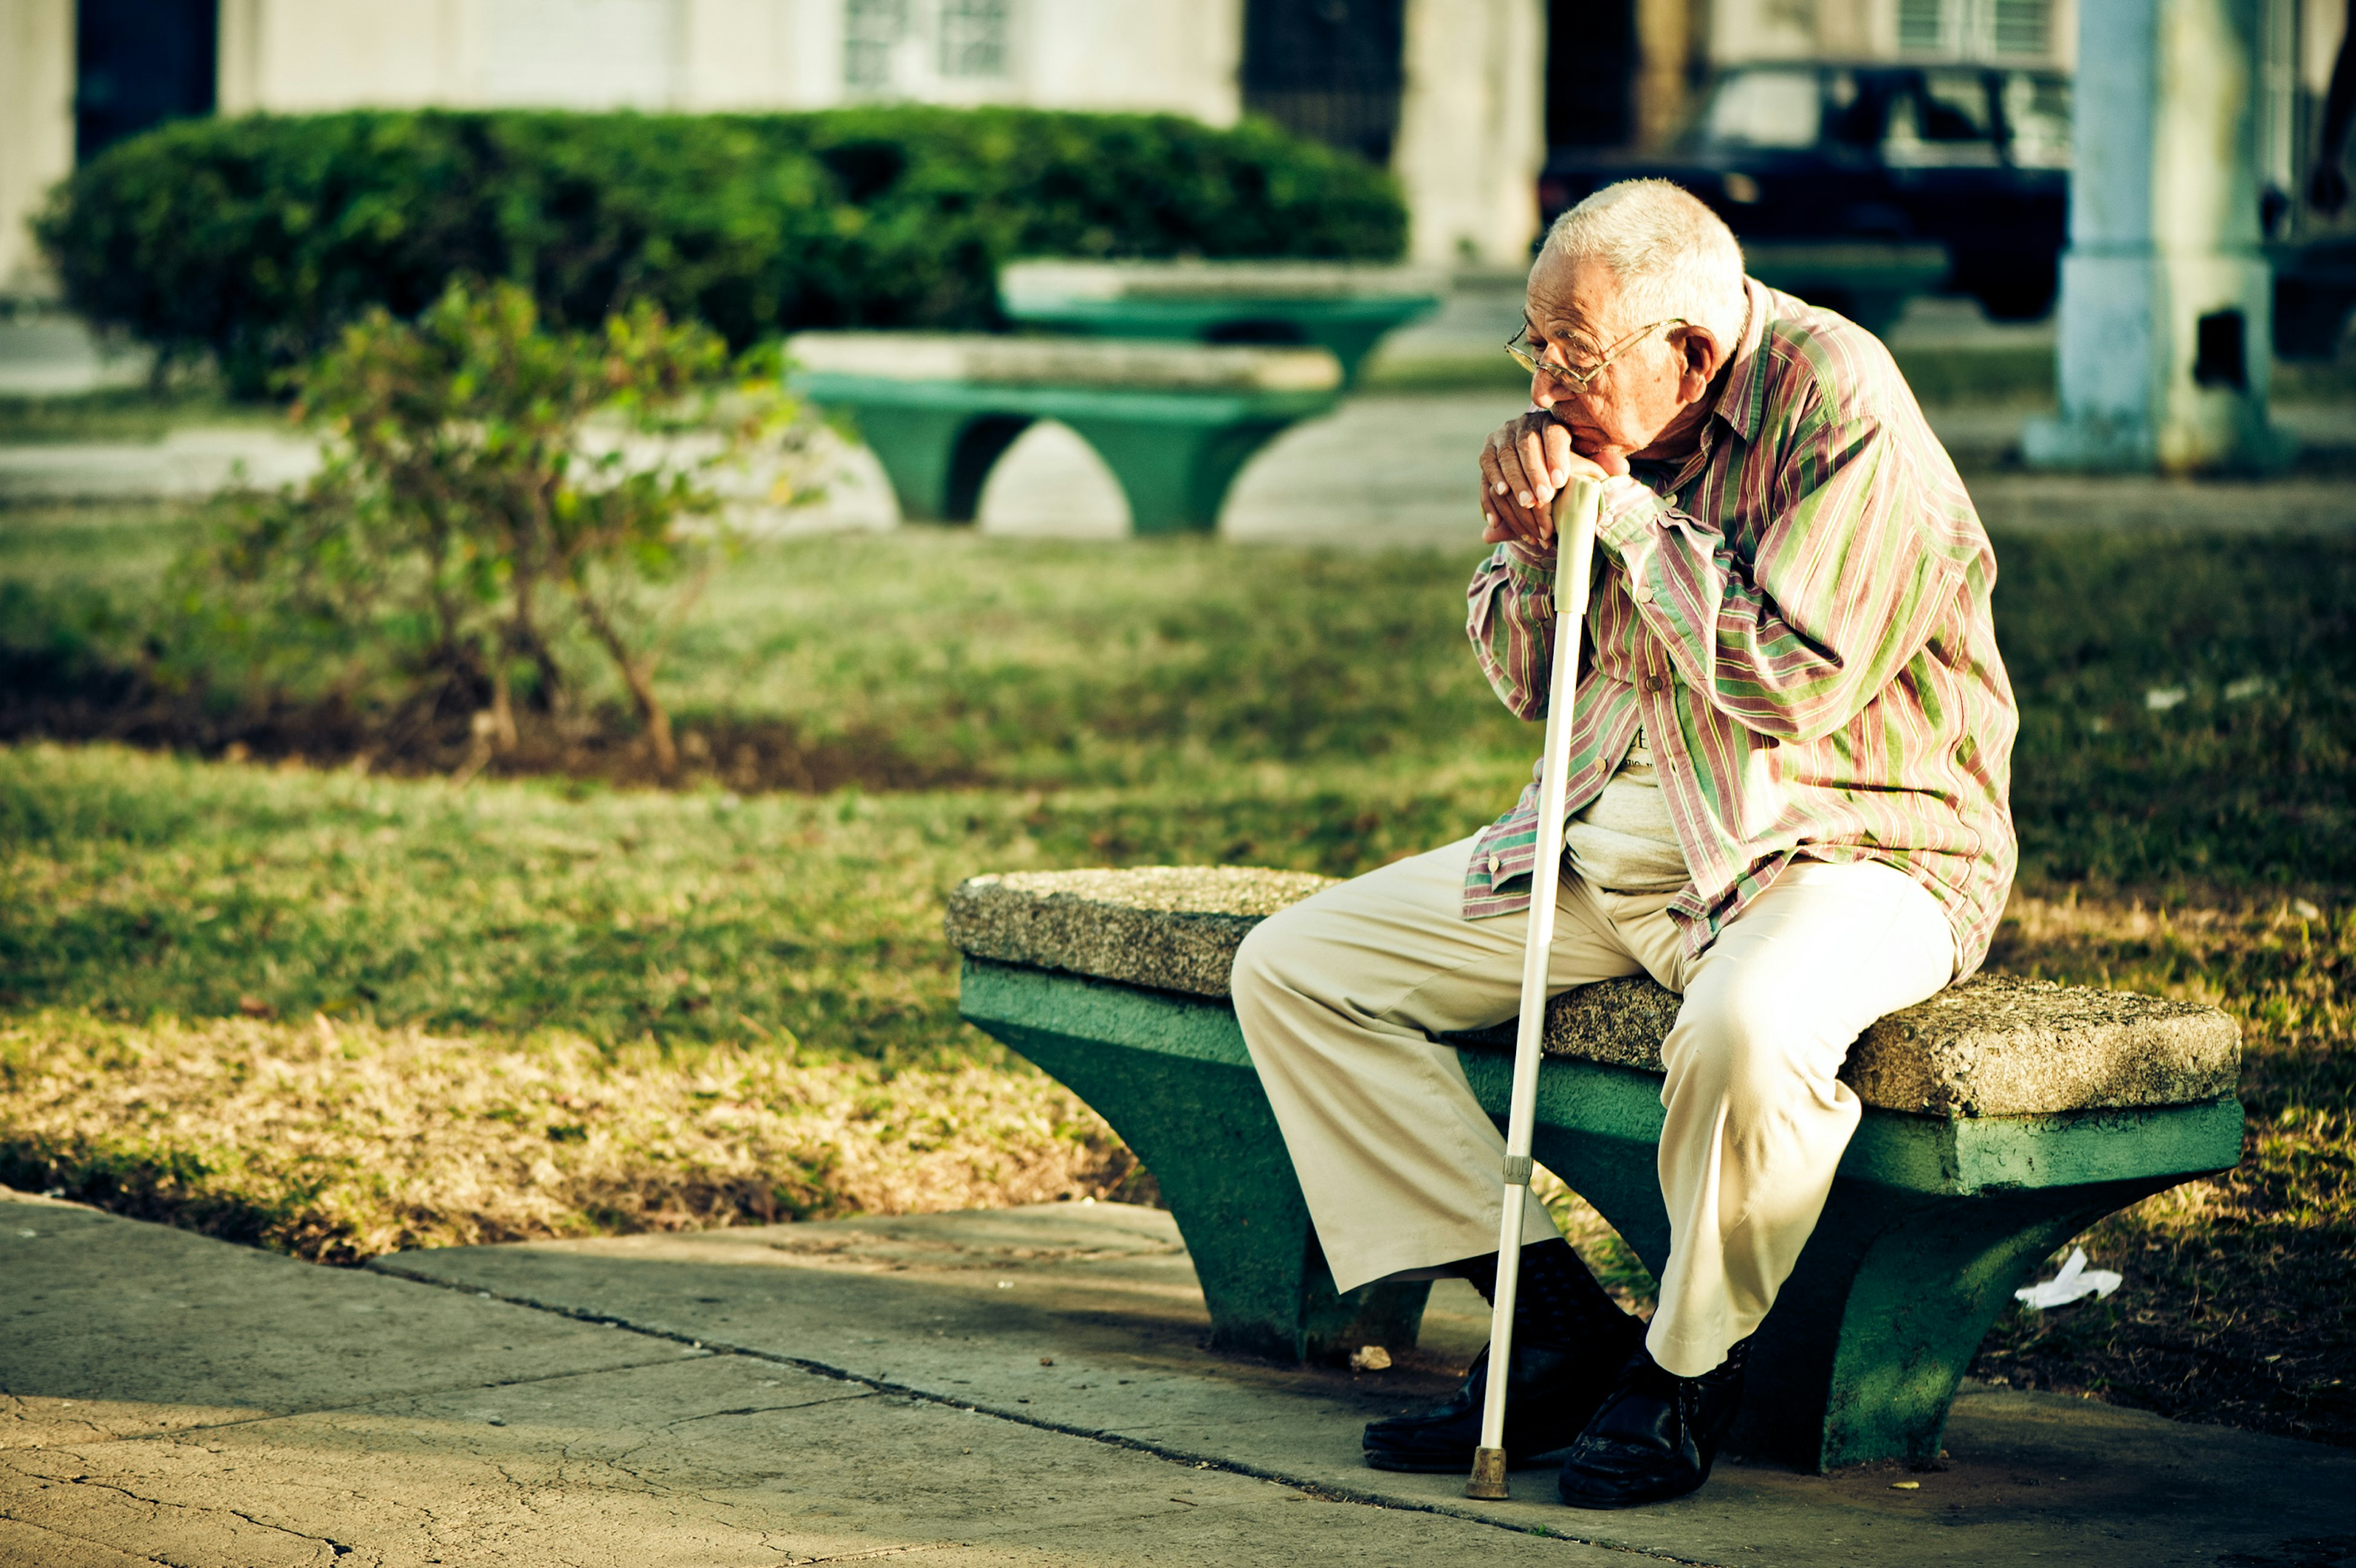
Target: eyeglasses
point(1578, 380)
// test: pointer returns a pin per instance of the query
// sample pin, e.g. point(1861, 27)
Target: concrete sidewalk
point(1381, 472)
point(1021, 1386)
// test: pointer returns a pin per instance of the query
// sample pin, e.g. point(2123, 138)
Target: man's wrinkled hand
point(1523, 466)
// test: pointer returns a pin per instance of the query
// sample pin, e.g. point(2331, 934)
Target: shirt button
point(1493, 863)
point(1643, 592)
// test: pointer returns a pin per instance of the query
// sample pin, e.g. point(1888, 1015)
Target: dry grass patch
point(2239, 1300)
point(339, 1142)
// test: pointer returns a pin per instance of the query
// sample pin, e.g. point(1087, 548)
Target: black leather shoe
point(1553, 1393)
point(1657, 1434)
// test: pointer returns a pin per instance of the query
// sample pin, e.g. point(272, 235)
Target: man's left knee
point(1277, 955)
point(1752, 1038)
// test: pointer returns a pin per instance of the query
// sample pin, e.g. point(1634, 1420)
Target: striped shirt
point(1796, 617)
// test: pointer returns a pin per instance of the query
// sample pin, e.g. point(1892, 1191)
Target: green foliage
point(255, 238)
point(462, 507)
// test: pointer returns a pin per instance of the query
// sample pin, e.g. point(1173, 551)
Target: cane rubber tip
point(1488, 1479)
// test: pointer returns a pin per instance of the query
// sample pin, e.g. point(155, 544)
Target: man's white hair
point(1673, 256)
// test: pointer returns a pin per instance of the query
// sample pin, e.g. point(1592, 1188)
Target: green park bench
point(1342, 306)
point(1175, 423)
point(1868, 282)
point(2002, 1118)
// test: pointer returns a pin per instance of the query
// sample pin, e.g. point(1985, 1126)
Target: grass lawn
point(124, 414)
point(336, 1011)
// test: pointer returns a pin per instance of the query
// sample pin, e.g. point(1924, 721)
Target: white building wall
point(1178, 56)
point(744, 54)
point(299, 56)
point(36, 128)
point(1473, 130)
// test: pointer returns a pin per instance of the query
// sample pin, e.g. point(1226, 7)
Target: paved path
point(1381, 471)
point(49, 353)
point(1024, 1386)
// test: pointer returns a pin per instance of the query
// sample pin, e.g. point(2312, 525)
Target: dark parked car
point(1856, 185)
point(1849, 180)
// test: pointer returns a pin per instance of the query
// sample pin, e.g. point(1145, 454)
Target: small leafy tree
point(487, 481)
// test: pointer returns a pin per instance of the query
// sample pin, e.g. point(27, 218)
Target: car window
point(1941, 118)
point(1764, 108)
point(2037, 120)
point(1853, 110)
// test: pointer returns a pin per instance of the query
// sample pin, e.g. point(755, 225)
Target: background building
point(1461, 98)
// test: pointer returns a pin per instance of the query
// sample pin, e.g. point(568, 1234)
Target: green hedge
point(253, 239)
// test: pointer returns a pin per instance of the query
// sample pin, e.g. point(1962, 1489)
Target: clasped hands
point(1523, 466)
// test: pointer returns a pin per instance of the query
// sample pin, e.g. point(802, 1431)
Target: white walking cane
point(1574, 511)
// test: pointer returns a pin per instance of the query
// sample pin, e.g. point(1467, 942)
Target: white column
point(36, 128)
point(1473, 130)
point(2166, 304)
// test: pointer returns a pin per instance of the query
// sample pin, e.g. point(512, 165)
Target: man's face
point(1573, 317)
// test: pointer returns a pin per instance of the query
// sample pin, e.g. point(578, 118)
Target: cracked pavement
point(1025, 1386)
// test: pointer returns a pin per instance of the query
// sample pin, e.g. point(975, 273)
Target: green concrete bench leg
point(1176, 473)
point(1930, 1227)
point(1191, 1107)
point(937, 461)
point(1860, 1359)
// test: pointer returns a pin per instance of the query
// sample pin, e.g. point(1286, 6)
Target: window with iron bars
point(1975, 29)
point(973, 38)
point(872, 29)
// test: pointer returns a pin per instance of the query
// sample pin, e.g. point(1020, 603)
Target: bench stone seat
point(2002, 1118)
point(1345, 307)
point(1174, 421)
point(1994, 1046)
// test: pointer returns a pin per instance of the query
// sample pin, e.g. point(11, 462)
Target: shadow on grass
point(50, 696)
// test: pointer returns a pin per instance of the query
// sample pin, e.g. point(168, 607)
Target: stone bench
point(1175, 423)
point(1343, 308)
point(2002, 1118)
point(1868, 282)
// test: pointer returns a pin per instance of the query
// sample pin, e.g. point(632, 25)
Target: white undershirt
point(1624, 841)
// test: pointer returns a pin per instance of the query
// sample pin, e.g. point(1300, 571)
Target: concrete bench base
point(1933, 1222)
point(1175, 424)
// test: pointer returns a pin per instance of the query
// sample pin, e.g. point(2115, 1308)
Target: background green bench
point(1175, 423)
point(1340, 306)
point(2003, 1116)
point(1867, 281)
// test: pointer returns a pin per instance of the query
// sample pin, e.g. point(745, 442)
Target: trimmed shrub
point(463, 513)
point(255, 239)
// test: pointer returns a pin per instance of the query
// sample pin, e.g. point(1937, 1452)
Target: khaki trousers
point(1340, 995)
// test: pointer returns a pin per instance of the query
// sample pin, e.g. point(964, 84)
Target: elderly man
point(1788, 774)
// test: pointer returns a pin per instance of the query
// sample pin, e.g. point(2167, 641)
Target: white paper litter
point(1370, 1359)
point(2074, 1283)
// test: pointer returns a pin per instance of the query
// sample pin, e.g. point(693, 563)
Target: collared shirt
point(1797, 617)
